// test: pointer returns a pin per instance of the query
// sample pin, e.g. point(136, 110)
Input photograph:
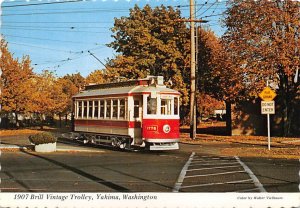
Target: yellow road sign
point(267, 94)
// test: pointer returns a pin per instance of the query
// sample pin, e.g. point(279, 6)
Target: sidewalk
point(20, 142)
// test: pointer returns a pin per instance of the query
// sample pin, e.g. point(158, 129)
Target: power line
point(52, 49)
point(68, 12)
point(66, 27)
point(79, 31)
point(208, 8)
point(35, 38)
point(48, 22)
point(47, 3)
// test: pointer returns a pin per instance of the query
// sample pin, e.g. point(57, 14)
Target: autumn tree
point(208, 90)
point(207, 104)
point(48, 97)
point(69, 89)
point(96, 77)
point(14, 78)
point(262, 41)
point(77, 79)
point(152, 42)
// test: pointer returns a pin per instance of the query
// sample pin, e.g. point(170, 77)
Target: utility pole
point(193, 123)
point(193, 110)
point(192, 20)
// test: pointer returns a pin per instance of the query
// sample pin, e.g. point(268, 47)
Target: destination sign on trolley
point(267, 107)
point(267, 94)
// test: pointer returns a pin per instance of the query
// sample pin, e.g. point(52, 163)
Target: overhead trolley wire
point(52, 49)
point(47, 3)
point(66, 27)
point(79, 31)
point(67, 12)
point(48, 22)
point(208, 8)
point(35, 38)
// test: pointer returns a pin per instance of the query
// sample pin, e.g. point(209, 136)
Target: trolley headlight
point(166, 128)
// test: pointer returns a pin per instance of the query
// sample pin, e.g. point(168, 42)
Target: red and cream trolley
point(141, 113)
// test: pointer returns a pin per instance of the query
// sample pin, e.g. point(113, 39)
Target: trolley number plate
point(151, 128)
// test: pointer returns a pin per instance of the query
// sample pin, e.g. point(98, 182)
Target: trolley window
point(176, 104)
point(136, 112)
point(108, 109)
point(96, 108)
point(165, 107)
point(122, 109)
point(151, 105)
point(101, 108)
point(90, 109)
point(79, 112)
point(84, 109)
point(115, 108)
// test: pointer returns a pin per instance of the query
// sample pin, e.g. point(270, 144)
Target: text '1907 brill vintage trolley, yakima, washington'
point(135, 113)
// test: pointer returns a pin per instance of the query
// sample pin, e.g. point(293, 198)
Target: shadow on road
point(82, 173)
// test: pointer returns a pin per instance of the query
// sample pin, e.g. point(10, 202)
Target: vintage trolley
point(141, 113)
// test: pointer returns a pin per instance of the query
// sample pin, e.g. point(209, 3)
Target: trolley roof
point(141, 86)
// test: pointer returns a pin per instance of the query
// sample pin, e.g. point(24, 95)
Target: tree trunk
point(17, 120)
point(72, 122)
point(66, 119)
point(59, 115)
point(228, 118)
point(42, 121)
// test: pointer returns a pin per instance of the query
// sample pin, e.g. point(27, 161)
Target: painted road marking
point(214, 174)
point(212, 184)
point(217, 164)
point(213, 159)
point(214, 164)
point(251, 174)
point(220, 167)
point(182, 173)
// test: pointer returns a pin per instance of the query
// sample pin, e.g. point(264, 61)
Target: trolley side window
point(96, 108)
point(108, 109)
point(151, 105)
point(165, 107)
point(79, 112)
point(90, 109)
point(136, 113)
point(84, 109)
point(115, 108)
point(122, 109)
point(176, 104)
point(101, 108)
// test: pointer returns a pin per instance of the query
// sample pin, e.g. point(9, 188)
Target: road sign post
point(268, 107)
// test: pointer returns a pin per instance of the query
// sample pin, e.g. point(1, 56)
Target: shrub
point(42, 138)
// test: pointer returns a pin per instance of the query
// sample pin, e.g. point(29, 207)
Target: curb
point(19, 148)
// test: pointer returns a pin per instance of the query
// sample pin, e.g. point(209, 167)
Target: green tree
point(14, 78)
point(152, 42)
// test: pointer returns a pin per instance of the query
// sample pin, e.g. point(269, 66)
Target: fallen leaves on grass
point(250, 146)
point(286, 153)
point(16, 132)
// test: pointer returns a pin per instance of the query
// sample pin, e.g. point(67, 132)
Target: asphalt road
point(189, 169)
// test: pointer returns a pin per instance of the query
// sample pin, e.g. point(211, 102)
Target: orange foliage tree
point(14, 80)
point(263, 42)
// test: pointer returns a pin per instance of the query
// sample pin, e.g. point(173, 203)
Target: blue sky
point(57, 34)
